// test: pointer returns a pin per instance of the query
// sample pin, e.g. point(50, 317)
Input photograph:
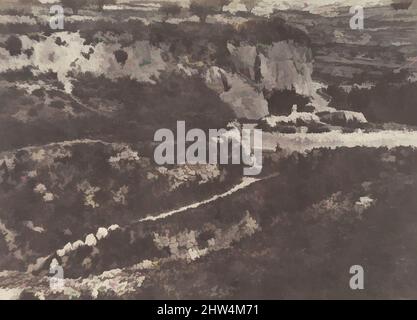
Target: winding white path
point(246, 181)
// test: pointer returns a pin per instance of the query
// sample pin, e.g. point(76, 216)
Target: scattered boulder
point(295, 118)
point(343, 118)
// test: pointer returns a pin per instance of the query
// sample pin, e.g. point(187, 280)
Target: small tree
point(14, 45)
point(75, 5)
point(202, 8)
point(170, 9)
point(250, 4)
point(121, 56)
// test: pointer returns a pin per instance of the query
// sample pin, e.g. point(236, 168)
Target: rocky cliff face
point(245, 68)
point(278, 66)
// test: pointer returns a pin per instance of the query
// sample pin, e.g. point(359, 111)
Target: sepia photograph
point(212, 150)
